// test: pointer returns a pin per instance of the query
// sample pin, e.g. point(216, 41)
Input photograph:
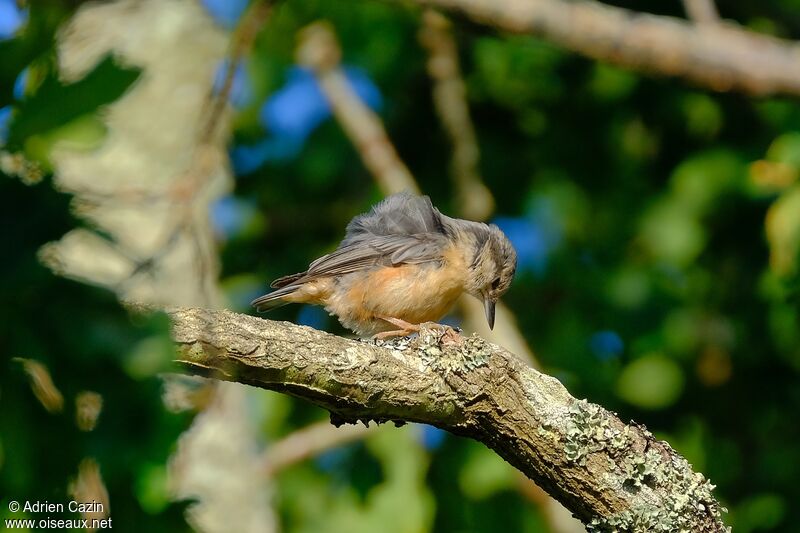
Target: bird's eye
point(495, 283)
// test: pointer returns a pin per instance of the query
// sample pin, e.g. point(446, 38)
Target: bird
point(401, 265)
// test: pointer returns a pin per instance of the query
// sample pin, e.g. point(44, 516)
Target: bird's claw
point(446, 334)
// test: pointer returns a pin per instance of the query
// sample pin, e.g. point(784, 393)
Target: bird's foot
point(393, 334)
point(403, 328)
point(448, 335)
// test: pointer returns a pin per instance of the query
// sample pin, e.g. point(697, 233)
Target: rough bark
point(720, 57)
point(612, 475)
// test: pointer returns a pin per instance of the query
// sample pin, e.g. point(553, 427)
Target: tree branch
point(308, 442)
point(720, 56)
point(319, 51)
point(475, 200)
point(701, 11)
point(612, 475)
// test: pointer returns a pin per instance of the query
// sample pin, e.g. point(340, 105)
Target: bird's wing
point(401, 229)
point(388, 250)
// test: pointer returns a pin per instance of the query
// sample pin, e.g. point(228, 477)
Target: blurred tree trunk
point(148, 189)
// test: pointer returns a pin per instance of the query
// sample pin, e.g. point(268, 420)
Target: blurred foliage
point(86, 342)
point(659, 231)
point(389, 468)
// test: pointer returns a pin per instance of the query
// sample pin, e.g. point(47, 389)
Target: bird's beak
point(489, 307)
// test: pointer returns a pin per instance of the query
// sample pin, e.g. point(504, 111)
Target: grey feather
point(286, 280)
point(399, 214)
point(402, 229)
point(273, 299)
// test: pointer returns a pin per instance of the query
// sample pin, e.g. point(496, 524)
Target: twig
point(319, 51)
point(701, 11)
point(450, 101)
point(243, 40)
point(610, 474)
point(308, 442)
point(475, 201)
point(720, 57)
point(186, 188)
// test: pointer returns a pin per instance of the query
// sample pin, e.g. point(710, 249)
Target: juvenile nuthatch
point(402, 264)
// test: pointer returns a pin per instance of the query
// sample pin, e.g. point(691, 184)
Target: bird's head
point(493, 266)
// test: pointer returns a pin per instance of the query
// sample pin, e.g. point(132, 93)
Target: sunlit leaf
point(671, 232)
point(783, 232)
point(484, 473)
point(653, 381)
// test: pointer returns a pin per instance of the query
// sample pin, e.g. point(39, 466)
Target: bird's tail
point(286, 285)
point(274, 299)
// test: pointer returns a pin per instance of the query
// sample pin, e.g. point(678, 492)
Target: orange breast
point(414, 293)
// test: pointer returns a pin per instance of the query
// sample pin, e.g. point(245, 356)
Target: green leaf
point(759, 513)
point(651, 382)
point(783, 232)
point(484, 473)
point(671, 233)
point(700, 180)
point(611, 84)
point(56, 104)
